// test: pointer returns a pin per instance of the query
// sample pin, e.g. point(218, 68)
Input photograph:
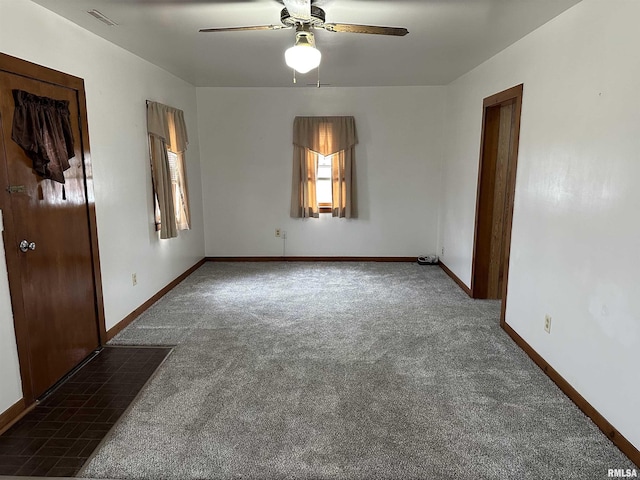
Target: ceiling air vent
point(102, 18)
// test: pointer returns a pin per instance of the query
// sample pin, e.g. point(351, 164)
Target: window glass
point(323, 185)
point(179, 193)
point(173, 166)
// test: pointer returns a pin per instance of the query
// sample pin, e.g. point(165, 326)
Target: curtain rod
point(151, 101)
point(163, 105)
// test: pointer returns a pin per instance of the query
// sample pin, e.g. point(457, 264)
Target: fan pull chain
point(294, 77)
point(318, 76)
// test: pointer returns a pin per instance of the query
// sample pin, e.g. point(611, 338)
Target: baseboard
point(455, 278)
point(12, 414)
point(614, 435)
point(310, 259)
point(125, 322)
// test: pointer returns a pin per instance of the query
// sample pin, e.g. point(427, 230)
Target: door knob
point(25, 246)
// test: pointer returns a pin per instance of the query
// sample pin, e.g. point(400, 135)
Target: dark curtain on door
point(42, 127)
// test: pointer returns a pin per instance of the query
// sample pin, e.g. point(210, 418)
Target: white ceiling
point(447, 37)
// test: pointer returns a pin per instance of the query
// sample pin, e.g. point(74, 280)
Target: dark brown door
point(496, 189)
point(498, 136)
point(52, 286)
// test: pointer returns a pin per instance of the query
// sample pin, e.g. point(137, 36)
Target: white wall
point(11, 390)
point(117, 84)
point(576, 233)
point(246, 144)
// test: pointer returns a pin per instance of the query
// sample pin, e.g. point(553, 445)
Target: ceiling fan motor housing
point(317, 18)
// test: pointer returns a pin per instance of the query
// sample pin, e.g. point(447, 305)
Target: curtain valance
point(167, 123)
point(42, 127)
point(325, 135)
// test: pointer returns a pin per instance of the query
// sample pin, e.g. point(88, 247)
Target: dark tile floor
point(59, 435)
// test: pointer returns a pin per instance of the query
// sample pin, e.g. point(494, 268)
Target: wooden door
point(498, 135)
point(496, 189)
point(498, 224)
point(52, 286)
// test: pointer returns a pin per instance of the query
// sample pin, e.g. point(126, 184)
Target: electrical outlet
point(442, 251)
point(547, 323)
point(134, 279)
point(278, 233)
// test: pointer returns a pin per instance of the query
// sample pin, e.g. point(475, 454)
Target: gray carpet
point(342, 371)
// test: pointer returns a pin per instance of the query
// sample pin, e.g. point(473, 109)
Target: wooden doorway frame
point(511, 95)
point(33, 71)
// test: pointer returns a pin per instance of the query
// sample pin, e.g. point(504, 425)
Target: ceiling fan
point(304, 16)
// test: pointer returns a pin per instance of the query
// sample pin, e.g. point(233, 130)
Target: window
point(323, 183)
point(323, 167)
point(179, 191)
point(167, 143)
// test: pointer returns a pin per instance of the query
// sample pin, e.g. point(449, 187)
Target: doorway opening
point(495, 196)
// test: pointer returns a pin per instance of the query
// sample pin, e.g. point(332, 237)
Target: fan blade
point(239, 29)
point(299, 9)
point(347, 27)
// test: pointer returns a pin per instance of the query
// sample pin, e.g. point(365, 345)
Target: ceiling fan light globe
point(303, 58)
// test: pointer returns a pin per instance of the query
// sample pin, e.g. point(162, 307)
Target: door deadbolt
point(25, 246)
